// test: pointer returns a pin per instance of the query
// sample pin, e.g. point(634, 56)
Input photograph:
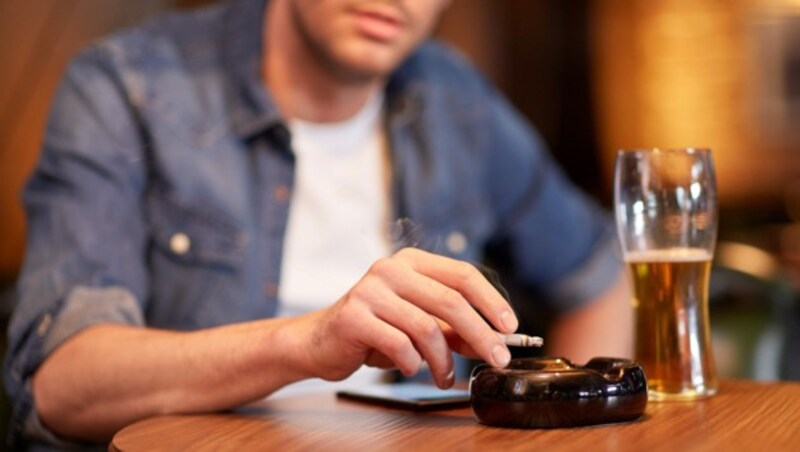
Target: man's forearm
point(111, 375)
point(108, 376)
point(602, 328)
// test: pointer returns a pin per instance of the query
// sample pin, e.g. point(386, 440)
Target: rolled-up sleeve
point(86, 237)
point(560, 241)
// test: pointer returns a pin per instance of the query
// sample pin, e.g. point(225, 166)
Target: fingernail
point(450, 379)
point(509, 321)
point(501, 355)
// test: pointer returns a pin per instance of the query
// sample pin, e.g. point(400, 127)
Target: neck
point(300, 84)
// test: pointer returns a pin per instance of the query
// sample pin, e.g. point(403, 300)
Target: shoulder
point(179, 69)
point(162, 73)
point(186, 39)
point(439, 69)
point(436, 58)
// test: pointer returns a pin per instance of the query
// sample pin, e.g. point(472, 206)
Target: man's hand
point(410, 307)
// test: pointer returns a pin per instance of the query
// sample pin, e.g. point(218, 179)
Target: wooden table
point(744, 416)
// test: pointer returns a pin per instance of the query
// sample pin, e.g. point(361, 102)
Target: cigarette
point(522, 340)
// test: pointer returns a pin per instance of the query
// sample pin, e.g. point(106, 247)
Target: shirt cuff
point(87, 306)
point(83, 307)
point(45, 439)
point(590, 280)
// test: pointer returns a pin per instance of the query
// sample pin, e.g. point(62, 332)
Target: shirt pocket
point(194, 233)
point(196, 261)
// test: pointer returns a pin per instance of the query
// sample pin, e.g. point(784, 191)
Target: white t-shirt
point(338, 218)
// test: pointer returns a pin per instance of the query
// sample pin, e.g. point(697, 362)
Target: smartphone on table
point(409, 396)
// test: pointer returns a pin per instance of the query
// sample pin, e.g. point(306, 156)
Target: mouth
point(380, 24)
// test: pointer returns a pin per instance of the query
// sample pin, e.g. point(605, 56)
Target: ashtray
point(553, 393)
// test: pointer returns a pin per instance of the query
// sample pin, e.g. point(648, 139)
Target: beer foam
point(669, 255)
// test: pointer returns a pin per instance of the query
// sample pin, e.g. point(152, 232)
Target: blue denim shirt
point(161, 195)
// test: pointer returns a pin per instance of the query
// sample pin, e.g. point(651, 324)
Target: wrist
point(293, 340)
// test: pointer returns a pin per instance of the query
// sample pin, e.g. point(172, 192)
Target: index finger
point(466, 279)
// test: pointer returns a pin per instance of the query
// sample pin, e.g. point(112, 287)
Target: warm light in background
point(675, 73)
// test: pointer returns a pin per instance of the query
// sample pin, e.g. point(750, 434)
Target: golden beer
point(672, 334)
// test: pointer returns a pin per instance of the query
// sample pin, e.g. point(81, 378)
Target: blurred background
point(593, 76)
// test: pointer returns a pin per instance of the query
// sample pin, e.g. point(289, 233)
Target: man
point(190, 180)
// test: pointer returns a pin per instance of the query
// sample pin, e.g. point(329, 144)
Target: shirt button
point(271, 289)
point(44, 325)
point(180, 243)
point(456, 242)
point(280, 193)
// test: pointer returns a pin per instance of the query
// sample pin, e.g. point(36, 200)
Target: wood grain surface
point(744, 416)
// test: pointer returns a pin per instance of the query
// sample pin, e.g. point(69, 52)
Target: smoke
point(405, 233)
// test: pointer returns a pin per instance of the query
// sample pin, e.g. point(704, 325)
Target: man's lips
point(379, 25)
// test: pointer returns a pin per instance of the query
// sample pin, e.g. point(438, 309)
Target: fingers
point(456, 343)
point(392, 343)
point(468, 281)
point(425, 333)
point(414, 306)
point(372, 325)
point(449, 304)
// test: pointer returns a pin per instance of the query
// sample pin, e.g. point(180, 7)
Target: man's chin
point(364, 73)
point(368, 65)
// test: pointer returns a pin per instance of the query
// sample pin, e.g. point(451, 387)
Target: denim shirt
point(162, 192)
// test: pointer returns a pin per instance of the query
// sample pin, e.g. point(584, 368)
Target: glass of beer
point(666, 213)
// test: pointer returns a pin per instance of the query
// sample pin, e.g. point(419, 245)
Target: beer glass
point(666, 213)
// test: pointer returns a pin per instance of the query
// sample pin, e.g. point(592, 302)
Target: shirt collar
point(252, 109)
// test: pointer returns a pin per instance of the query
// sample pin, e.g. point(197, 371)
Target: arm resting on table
point(108, 376)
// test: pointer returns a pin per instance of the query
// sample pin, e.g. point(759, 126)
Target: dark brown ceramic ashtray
point(553, 392)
